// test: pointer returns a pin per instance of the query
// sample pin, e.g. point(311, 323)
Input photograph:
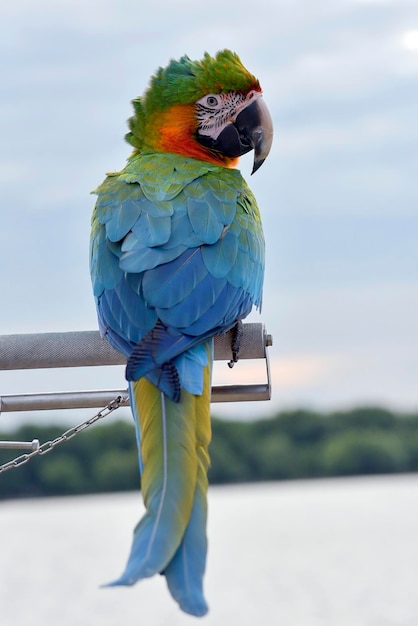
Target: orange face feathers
point(174, 130)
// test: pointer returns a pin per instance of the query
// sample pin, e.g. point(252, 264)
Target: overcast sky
point(338, 194)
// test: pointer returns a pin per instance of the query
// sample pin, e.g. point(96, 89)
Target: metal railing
point(87, 348)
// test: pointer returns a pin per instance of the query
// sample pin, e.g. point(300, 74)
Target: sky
point(338, 193)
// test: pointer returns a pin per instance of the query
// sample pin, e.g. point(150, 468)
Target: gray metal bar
point(20, 445)
point(81, 349)
point(51, 401)
point(92, 399)
point(241, 393)
point(87, 348)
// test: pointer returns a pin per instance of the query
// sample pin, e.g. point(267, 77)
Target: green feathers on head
point(184, 82)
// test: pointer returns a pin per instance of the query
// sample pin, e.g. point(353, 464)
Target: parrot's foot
point(237, 333)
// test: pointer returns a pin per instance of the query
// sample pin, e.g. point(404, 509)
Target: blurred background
point(338, 196)
point(338, 193)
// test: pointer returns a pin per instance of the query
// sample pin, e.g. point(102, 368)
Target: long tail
point(170, 539)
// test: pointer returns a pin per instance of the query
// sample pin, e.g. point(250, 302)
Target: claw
point(237, 333)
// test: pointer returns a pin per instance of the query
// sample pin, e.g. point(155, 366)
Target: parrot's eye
point(211, 102)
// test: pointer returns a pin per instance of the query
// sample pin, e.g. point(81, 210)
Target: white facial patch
point(215, 111)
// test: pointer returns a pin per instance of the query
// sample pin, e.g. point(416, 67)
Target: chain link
point(69, 434)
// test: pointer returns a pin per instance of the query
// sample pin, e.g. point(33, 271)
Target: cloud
point(410, 40)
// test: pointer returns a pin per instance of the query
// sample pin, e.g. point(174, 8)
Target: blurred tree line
point(294, 444)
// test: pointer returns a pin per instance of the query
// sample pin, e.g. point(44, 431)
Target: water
point(332, 553)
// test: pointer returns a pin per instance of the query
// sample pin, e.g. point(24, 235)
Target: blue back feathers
point(180, 243)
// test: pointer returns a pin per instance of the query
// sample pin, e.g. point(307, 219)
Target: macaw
point(177, 257)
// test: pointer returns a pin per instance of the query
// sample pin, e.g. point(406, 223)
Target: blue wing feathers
point(179, 240)
point(123, 219)
point(108, 273)
point(182, 231)
point(205, 222)
point(138, 313)
point(186, 312)
point(156, 208)
point(220, 257)
point(170, 283)
point(152, 230)
point(141, 258)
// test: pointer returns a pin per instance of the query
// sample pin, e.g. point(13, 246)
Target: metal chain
point(69, 434)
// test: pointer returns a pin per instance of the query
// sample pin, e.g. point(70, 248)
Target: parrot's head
point(210, 110)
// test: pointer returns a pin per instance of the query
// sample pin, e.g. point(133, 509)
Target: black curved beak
point(255, 127)
point(252, 129)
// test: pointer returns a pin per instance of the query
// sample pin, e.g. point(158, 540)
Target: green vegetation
point(295, 444)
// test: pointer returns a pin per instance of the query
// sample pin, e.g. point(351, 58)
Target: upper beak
point(255, 128)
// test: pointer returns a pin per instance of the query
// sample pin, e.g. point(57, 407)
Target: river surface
point(339, 552)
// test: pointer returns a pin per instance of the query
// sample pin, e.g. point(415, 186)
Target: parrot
point(176, 258)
